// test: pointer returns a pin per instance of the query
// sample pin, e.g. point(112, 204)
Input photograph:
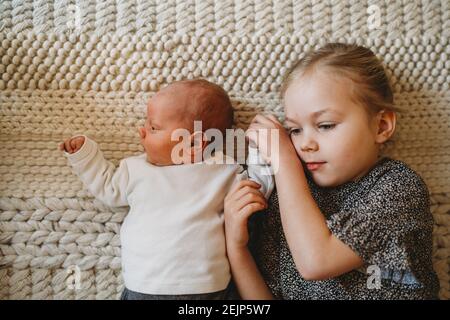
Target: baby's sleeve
point(100, 176)
point(260, 171)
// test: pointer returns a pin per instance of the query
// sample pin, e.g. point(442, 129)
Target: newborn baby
point(173, 242)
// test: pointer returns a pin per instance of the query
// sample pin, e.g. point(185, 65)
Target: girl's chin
point(324, 181)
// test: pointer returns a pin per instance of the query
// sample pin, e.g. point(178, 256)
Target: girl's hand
point(72, 145)
point(241, 202)
point(266, 133)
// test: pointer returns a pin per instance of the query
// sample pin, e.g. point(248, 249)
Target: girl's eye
point(327, 126)
point(295, 131)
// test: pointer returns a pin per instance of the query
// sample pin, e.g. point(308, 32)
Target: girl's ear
point(386, 121)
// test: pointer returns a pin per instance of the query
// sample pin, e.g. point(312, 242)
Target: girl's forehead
point(311, 94)
point(321, 81)
point(303, 102)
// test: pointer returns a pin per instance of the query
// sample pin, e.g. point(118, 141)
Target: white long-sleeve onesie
point(173, 238)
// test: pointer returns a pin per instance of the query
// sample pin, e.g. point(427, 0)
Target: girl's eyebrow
point(287, 119)
point(316, 114)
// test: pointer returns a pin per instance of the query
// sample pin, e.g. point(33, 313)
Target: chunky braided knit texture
point(70, 67)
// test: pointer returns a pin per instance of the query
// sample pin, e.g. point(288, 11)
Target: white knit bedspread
point(70, 67)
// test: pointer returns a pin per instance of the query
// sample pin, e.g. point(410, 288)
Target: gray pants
point(228, 293)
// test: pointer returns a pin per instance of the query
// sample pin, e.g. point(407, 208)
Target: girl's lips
point(312, 166)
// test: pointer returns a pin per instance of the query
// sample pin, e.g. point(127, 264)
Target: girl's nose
point(308, 144)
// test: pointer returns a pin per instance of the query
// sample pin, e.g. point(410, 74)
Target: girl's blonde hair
point(354, 62)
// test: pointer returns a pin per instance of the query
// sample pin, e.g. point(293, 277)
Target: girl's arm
point(248, 279)
point(243, 200)
point(317, 253)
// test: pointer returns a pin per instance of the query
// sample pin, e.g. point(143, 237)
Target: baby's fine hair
point(357, 63)
point(211, 104)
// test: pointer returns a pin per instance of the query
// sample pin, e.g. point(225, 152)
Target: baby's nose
point(142, 132)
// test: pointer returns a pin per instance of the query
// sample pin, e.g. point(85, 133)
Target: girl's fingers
point(238, 194)
point(252, 135)
point(240, 185)
point(264, 120)
point(273, 118)
point(257, 125)
point(258, 119)
point(253, 132)
point(251, 208)
point(256, 130)
point(248, 199)
point(245, 190)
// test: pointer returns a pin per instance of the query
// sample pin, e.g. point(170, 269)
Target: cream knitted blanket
point(87, 67)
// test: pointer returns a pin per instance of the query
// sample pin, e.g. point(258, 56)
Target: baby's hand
point(72, 145)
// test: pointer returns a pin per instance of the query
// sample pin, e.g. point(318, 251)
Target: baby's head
point(339, 111)
point(177, 106)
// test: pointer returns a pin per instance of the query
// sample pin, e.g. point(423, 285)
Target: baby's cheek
point(144, 143)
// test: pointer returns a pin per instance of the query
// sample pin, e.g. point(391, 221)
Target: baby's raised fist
point(72, 145)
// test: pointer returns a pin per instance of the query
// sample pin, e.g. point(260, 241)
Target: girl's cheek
point(296, 144)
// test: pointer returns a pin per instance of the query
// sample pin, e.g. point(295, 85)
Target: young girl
point(345, 223)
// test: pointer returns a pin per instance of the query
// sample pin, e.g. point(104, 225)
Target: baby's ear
point(198, 140)
point(197, 145)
